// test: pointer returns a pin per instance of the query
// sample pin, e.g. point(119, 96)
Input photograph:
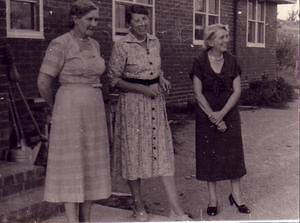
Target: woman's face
point(220, 40)
point(87, 24)
point(139, 24)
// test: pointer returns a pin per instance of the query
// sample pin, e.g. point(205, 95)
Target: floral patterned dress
point(142, 133)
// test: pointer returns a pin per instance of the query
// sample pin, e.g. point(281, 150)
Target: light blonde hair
point(210, 31)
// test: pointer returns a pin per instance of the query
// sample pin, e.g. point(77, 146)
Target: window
point(256, 23)
point(120, 28)
point(24, 19)
point(206, 12)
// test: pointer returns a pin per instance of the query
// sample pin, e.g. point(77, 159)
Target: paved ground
point(108, 214)
point(271, 187)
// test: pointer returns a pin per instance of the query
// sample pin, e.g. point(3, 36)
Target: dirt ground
point(271, 186)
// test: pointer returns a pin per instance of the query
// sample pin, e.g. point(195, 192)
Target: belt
point(141, 81)
point(97, 85)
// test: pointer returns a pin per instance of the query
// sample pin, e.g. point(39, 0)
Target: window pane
point(199, 34)
point(120, 23)
point(145, 1)
point(260, 11)
point(212, 20)
point(251, 32)
point(25, 15)
point(200, 21)
point(199, 26)
point(260, 33)
point(200, 5)
point(251, 9)
point(213, 6)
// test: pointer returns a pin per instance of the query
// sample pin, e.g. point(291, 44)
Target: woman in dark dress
point(217, 87)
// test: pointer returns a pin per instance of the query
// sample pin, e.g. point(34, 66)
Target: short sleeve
point(237, 69)
point(117, 63)
point(53, 60)
point(196, 69)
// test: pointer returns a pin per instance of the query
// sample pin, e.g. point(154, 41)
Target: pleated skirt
point(78, 167)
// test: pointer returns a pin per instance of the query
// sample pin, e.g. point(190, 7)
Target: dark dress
point(219, 156)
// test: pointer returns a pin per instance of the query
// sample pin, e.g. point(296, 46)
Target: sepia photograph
point(149, 111)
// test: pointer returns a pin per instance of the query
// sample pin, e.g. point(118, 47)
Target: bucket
point(20, 156)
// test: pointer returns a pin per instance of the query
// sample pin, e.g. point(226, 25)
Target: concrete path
point(102, 213)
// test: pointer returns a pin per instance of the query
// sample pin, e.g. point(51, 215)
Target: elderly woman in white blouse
point(142, 131)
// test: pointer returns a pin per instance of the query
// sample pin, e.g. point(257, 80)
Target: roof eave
point(283, 1)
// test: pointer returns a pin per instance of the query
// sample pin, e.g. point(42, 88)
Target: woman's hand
point(222, 127)
point(216, 117)
point(165, 84)
point(151, 91)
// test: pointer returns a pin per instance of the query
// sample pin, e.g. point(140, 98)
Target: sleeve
point(116, 64)
point(196, 69)
point(53, 60)
point(237, 69)
point(161, 72)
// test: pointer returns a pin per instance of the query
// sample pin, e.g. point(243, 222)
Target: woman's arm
point(217, 117)
point(45, 86)
point(200, 98)
point(137, 88)
point(164, 83)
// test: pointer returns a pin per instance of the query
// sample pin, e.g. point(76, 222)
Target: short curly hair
point(80, 8)
point(138, 9)
point(210, 32)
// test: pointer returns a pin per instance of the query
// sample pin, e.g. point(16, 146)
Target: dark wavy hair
point(138, 9)
point(80, 8)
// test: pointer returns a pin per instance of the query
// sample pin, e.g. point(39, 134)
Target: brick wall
point(174, 19)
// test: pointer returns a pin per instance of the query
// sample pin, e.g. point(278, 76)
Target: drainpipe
point(235, 17)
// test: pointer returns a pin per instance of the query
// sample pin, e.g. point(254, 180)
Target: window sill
point(25, 35)
point(256, 45)
point(198, 42)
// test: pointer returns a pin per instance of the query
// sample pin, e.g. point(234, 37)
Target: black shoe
point(212, 211)
point(242, 208)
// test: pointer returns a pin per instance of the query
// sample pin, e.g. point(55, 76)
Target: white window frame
point(256, 21)
point(20, 33)
point(133, 2)
point(207, 14)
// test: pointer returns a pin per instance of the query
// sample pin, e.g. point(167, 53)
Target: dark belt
point(140, 81)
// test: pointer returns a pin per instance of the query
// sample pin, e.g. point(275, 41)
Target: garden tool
point(25, 150)
point(13, 117)
point(13, 77)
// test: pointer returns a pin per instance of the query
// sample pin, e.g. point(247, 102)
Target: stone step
point(17, 178)
point(28, 207)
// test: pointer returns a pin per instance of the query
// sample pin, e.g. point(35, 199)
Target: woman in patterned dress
point(78, 169)
point(142, 132)
point(219, 148)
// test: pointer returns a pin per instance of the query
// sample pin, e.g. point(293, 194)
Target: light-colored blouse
point(129, 59)
point(71, 63)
